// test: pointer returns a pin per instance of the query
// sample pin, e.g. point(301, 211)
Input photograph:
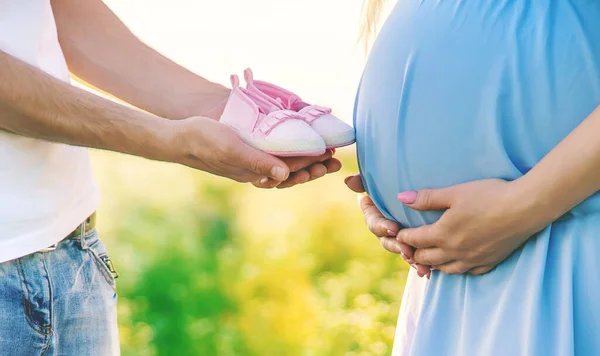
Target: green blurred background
point(212, 267)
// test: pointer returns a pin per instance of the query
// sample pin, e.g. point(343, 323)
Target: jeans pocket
point(100, 256)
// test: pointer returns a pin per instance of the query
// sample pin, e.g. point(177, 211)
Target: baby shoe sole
point(340, 145)
point(340, 140)
point(296, 153)
point(284, 149)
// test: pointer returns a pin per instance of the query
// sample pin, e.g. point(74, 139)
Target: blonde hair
point(372, 10)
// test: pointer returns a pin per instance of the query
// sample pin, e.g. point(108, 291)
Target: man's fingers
point(433, 256)
point(266, 183)
point(298, 163)
point(304, 169)
point(313, 172)
point(317, 170)
point(299, 177)
point(333, 165)
point(355, 183)
point(427, 199)
point(420, 237)
point(262, 163)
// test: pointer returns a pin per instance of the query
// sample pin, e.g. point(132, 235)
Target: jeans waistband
point(88, 225)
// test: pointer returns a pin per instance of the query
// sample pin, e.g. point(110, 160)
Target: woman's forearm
point(567, 175)
point(102, 51)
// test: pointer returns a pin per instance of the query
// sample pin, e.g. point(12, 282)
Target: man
point(56, 287)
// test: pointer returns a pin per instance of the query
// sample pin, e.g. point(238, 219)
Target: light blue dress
point(458, 90)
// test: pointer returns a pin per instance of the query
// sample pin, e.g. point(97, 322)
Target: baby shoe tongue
point(265, 105)
point(291, 102)
point(295, 103)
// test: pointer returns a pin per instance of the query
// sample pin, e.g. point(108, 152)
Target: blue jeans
point(61, 302)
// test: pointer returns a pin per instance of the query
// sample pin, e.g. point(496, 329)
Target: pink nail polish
point(407, 197)
point(392, 233)
point(408, 260)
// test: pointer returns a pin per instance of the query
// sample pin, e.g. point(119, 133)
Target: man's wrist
point(155, 140)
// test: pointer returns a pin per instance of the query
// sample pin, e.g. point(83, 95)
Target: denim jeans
point(61, 302)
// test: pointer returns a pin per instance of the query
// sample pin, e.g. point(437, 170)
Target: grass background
point(212, 267)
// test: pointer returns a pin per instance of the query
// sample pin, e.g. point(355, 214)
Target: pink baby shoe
point(334, 131)
point(264, 124)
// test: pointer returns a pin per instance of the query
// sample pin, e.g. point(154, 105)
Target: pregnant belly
point(453, 93)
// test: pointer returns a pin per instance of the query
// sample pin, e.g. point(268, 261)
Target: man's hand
point(211, 146)
point(306, 169)
point(101, 51)
point(205, 144)
point(385, 230)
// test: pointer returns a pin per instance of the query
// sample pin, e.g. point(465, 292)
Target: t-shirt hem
point(49, 235)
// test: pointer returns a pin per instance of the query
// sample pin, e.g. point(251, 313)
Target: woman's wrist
point(535, 202)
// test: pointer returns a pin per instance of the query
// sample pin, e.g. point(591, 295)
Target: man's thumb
point(355, 183)
point(264, 164)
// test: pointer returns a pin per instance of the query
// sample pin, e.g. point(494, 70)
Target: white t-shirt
point(46, 189)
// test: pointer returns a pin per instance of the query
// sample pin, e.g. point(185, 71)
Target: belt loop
point(81, 238)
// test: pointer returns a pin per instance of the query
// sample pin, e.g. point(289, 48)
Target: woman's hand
point(385, 230)
point(485, 221)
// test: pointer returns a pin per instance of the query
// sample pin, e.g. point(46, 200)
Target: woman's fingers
point(386, 230)
point(376, 222)
point(391, 245)
point(407, 252)
point(454, 267)
point(478, 271)
point(420, 237)
point(423, 270)
point(427, 199)
point(432, 256)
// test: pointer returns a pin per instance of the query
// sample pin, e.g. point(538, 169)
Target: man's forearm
point(569, 174)
point(37, 105)
point(101, 50)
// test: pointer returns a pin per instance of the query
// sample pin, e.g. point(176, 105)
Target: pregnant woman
point(482, 115)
